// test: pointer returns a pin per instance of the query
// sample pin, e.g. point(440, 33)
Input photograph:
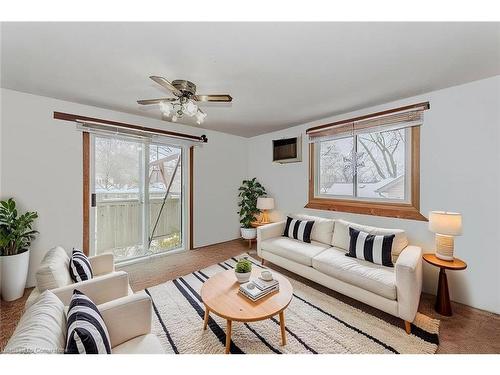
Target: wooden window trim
point(388, 209)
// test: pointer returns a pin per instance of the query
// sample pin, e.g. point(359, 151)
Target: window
point(368, 165)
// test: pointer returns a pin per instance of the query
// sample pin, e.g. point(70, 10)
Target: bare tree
point(386, 144)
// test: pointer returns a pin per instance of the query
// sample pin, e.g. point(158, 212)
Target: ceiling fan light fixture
point(166, 108)
point(200, 117)
point(190, 108)
point(185, 100)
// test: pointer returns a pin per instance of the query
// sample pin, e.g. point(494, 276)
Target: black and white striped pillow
point(79, 266)
point(298, 229)
point(86, 331)
point(370, 247)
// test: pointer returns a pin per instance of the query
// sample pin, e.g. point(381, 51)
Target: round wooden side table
point(443, 305)
point(221, 297)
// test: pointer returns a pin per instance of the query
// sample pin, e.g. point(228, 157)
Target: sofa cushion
point(372, 277)
point(146, 344)
point(341, 236)
point(54, 270)
point(298, 229)
point(322, 229)
point(370, 247)
point(294, 250)
point(42, 328)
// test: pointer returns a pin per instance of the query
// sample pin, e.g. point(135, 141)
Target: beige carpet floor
point(316, 323)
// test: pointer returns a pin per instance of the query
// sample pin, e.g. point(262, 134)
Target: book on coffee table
point(252, 292)
point(264, 284)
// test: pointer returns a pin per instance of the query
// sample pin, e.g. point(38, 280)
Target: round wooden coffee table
point(220, 296)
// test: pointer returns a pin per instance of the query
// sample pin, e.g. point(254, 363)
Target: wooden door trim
point(86, 192)
point(86, 195)
point(191, 197)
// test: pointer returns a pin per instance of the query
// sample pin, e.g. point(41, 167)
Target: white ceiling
point(279, 74)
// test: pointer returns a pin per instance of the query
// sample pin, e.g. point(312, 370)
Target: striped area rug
point(316, 323)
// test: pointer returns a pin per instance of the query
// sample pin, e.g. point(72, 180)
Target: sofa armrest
point(99, 289)
point(408, 270)
point(267, 231)
point(127, 317)
point(102, 264)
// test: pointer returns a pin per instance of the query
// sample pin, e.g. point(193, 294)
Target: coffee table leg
point(228, 335)
point(282, 326)
point(205, 321)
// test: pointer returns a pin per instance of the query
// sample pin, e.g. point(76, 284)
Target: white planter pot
point(13, 275)
point(242, 277)
point(248, 233)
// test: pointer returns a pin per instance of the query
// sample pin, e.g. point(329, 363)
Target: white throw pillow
point(322, 229)
point(42, 328)
point(54, 270)
point(341, 236)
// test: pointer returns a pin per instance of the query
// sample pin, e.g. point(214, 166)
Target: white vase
point(248, 233)
point(13, 275)
point(242, 277)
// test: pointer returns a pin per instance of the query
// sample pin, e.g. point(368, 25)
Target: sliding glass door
point(137, 200)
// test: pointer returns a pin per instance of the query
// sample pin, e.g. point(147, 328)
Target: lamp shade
point(265, 203)
point(447, 223)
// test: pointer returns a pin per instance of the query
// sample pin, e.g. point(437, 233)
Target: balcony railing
point(119, 229)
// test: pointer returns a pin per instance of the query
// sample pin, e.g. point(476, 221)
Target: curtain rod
point(424, 106)
point(77, 118)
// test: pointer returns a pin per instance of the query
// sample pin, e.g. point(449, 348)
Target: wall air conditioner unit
point(287, 150)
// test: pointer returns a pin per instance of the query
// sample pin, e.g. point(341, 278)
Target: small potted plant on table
point(243, 270)
point(16, 234)
point(249, 191)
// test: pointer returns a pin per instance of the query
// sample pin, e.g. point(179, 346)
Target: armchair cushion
point(102, 264)
point(86, 330)
point(79, 266)
point(128, 317)
point(54, 270)
point(146, 344)
point(100, 289)
point(41, 329)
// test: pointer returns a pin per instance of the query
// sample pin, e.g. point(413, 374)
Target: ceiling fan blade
point(163, 82)
point(213, 98)
point(155, 101)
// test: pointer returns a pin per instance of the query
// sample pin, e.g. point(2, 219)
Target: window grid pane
point(371, 166)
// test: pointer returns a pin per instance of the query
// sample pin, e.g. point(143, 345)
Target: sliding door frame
point(188, 240)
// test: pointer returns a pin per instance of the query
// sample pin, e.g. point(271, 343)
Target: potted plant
point(249, 191)
point(16, 234)
point(243, 270)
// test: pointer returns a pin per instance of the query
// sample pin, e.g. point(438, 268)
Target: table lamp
point(446, 225)
point(265, 204)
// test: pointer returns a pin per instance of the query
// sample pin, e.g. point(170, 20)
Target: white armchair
point(53, 274)
point(42, 328)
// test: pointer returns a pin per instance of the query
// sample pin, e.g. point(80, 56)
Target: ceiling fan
point(185, 101)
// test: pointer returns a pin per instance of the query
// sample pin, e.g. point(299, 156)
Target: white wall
point(41, 166)
point(460, 171)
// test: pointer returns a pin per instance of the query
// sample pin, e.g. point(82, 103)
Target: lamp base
point(444, 247)
point(265, 217)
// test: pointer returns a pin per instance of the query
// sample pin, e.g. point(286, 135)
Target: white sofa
point(53, 274)
point(42, 328)
point(393, 290)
